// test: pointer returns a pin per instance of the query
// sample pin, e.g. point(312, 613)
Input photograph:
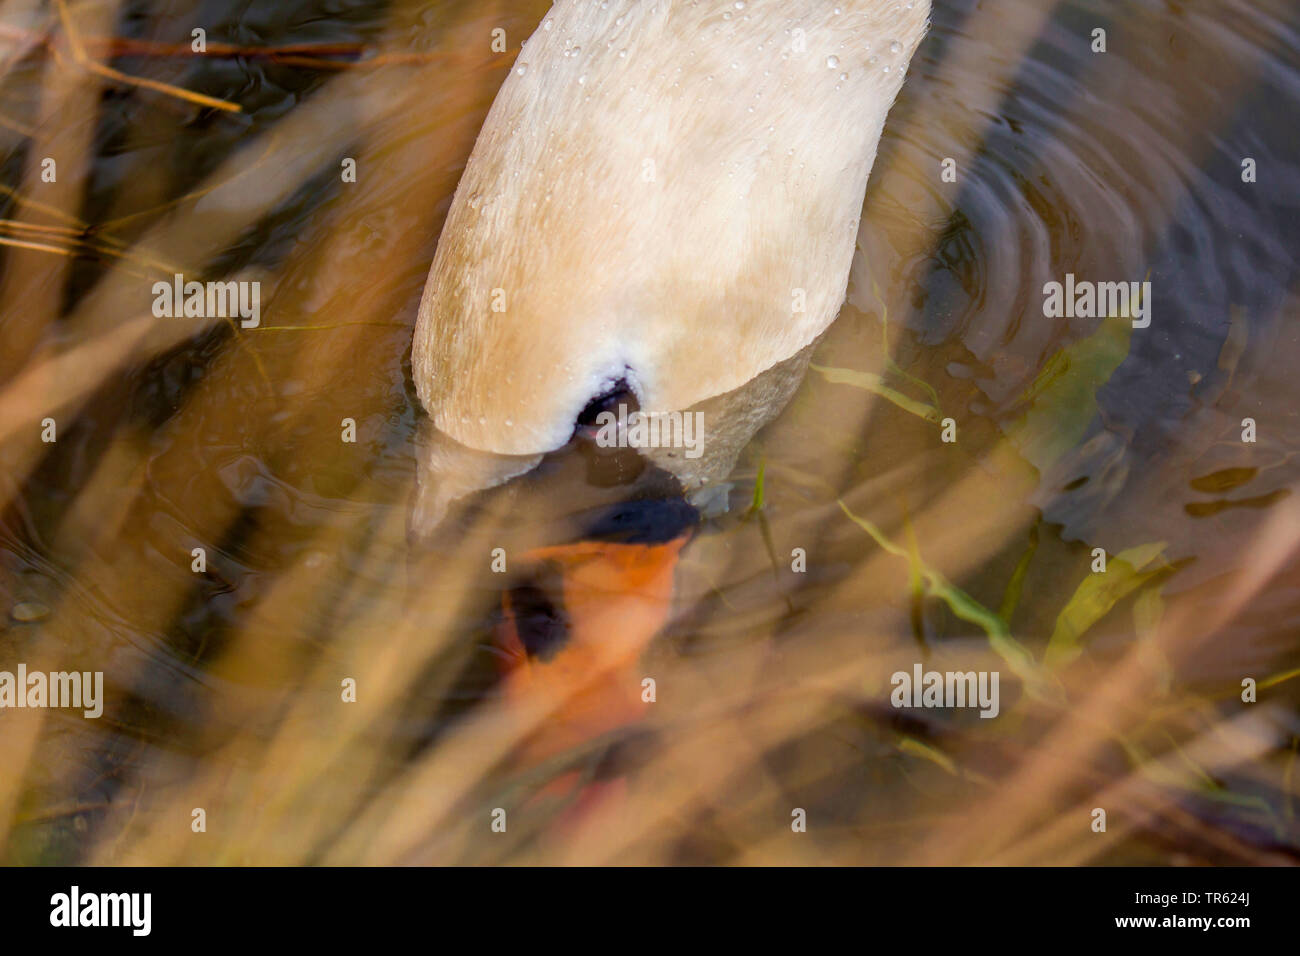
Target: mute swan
point(662, 204)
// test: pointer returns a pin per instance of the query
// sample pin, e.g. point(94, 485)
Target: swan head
point(664, 198)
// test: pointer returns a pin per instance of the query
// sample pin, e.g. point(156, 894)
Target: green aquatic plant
point(1061, 402)
point(1011, 597)
point(1017, 656)
point(1097, 594)
point(871, 382)
point(874, 383)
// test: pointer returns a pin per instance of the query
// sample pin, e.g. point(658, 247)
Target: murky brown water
point(222, 687)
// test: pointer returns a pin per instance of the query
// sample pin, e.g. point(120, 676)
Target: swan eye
point(542, 626)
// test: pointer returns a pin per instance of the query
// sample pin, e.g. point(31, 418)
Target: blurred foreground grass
point(224, 687)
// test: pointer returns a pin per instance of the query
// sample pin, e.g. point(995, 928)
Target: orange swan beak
point(614, 598)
